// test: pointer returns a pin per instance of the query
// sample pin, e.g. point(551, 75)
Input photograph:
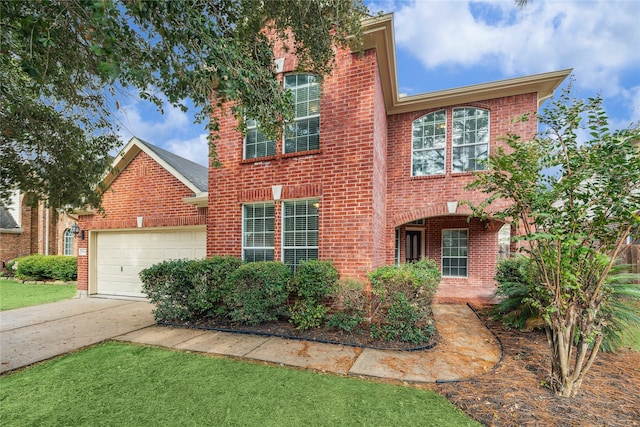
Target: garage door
point(121, 255)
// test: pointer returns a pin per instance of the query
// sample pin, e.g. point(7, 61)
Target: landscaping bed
point(515, 393)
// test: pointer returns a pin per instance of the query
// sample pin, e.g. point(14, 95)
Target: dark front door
point(414, 245)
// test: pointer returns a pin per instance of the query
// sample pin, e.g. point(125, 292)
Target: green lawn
point(117, 384)
point(14, 294)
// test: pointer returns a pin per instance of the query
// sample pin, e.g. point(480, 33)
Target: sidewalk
point(33, 334)
point(466, 349)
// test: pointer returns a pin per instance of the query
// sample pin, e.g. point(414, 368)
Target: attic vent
point(279, 65)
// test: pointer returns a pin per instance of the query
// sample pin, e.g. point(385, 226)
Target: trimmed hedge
point(314, 282)
point(46, 267)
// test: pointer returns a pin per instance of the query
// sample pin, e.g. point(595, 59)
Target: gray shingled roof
point(195, 173)
point(6, 220)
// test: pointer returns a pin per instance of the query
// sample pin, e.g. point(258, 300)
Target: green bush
point(314, 282)
point(417, 281)
point(352, 305)
point(405, 322)
point(258, 292)
point(210, 285)
point(46, 267)
point(513, 277)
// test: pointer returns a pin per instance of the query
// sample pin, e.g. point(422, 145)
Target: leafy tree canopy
point(62, 63)
point(574, 223)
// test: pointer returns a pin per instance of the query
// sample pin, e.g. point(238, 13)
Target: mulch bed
point(359, 337)
point(514, 394)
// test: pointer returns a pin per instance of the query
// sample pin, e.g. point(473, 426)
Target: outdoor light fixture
point(74, 229)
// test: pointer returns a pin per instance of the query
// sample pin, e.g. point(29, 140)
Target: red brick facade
point(142, 189)
point(361, 176)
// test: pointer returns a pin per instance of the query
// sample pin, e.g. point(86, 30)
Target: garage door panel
point(121, 255)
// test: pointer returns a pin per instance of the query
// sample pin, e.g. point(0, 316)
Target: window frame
point(443, 148)
point(475, 144)
point(67, 242)
point(264, 232)
point(284, 247)
point(300, 119)
point(253, 125)
point(442, 255)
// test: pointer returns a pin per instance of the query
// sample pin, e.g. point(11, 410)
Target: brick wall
point(411, 198)
point(143, 188)
point(339, 174)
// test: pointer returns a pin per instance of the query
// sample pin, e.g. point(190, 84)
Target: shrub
point(313, 283)
point(188, 289)
point(168, 286)
point(513, 277)
point(211, 284)
point(46, 267)
point(258, 292)
point(404, 321)
point(352, 306)
point(416, 281)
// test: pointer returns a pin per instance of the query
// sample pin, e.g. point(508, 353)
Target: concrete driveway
point(32, 334)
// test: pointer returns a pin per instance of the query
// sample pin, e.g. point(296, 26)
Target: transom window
point(470, 139)
point(256, 144)
point(299, 231)
point(257, 232)
point(429, 142)
point(304, 133)
point(68, 242)
point(455, 253)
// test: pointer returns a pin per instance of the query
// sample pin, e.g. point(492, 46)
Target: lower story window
point(68, 242)
point(455, 253)
point(299, 231)
point(257, 232)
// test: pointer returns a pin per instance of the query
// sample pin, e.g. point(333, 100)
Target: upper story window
point(68, 242)
point(304, 133)
point(470, 139)
point(256, 144)
point(429, 142)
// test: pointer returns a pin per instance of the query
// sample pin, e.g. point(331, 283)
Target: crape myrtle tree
point(575, 193)
point(64, 65)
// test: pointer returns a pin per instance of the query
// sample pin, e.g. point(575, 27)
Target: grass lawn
point(128, 385)
point(15, 295)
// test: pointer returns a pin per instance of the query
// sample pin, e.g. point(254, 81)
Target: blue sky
point(453, 43)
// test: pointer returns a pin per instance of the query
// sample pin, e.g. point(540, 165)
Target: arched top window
point(68, 242)
point(429, 141)
point(470, 139)
point(304, 133)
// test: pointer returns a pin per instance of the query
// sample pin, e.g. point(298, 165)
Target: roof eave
point(199, 200)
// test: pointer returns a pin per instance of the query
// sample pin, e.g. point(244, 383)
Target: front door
point(414, 246)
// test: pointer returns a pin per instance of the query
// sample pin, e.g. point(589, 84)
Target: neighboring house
point(364, 177)
point(26, 230)
point(154, 210)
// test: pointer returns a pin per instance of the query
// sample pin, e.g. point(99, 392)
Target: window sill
point(280, 156)
point(259, 159)
point(423, 177)
point(302, 153)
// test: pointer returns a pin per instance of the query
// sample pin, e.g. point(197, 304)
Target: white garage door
point(121, 255)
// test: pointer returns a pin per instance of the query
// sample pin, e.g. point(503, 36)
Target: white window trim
point(282, 226)
point(67, 233)
point(470, 145)
point(244, 229)
point(446, 139)
point(297, 119)
point(442, 252)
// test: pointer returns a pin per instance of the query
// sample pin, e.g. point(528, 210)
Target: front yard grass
point(15, 294)
point(123, 384)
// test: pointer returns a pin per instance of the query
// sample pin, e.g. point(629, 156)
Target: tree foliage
point(64, 63)
point(575, 193)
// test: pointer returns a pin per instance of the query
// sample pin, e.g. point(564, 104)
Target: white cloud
point(599, 39)
point(174, 130)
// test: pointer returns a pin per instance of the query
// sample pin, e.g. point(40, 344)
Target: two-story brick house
point(364, 177)
point(367, 177)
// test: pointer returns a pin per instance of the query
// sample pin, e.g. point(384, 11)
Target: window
point(429, 141)
point(299, 231)
point(257, 232)
point(304, 133)
point(470, 139)
point(256, 144)
point(454, 253)
point(68, 242)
